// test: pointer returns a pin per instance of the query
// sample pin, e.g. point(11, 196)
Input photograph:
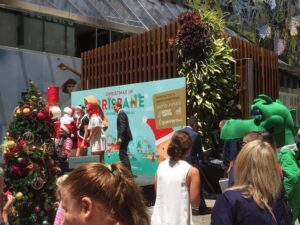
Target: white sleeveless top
point(172, 204)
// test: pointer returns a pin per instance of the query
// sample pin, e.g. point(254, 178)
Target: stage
point(146, 183)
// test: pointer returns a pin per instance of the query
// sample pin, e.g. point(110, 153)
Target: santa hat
point(67, 128)
point(81, 107)
point(70, 111)
point(56, 112)
point(160, 135)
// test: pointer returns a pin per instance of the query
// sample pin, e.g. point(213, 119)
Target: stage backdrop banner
point(155, 110)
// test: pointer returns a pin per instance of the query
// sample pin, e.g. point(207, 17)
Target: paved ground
point(203, 220)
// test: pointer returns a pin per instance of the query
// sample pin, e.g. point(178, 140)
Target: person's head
point(90, 99)
point(94, 194)
point(68, 111)
point(117, 106)
point(59, 183)
point(94, 109)
point(257, 174)
point(68, 86)
point(268, 137)
point(251, 136)
point(180, 145)
point(222, 123)
point(193, 123)
point(79, 111)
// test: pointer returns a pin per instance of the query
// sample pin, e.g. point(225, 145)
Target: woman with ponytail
point(177, 184)
point(95, 194)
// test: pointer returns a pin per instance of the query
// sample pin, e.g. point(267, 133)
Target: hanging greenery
point(205, 59)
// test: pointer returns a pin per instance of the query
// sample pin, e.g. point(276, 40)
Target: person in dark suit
point(124, 134)
point(194, 159)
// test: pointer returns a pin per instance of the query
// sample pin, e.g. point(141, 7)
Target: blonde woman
point(256, 196)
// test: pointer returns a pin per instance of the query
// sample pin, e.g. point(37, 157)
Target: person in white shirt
point(97, 137)
point(177, 184)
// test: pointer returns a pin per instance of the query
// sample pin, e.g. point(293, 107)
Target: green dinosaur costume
point(273, 116)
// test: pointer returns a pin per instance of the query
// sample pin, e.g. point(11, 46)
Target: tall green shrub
point(205, 59)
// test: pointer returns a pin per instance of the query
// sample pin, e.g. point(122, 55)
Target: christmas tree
point(30, 171)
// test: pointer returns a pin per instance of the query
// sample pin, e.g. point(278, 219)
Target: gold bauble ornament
point(19, 196)
point(10, 144)
point(26, 111)
point(18, 112)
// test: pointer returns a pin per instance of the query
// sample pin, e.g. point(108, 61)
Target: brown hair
point(181, 143)
point(64, 86)
point(251, 136)
point(119, 104)
point(268, 137)
point(222, 123)
point(112, 186)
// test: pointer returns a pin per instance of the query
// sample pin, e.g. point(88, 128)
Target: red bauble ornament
point(37, 209)
point(15, 169)
point(40, 115)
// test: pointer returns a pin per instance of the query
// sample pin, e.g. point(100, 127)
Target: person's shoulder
point(193, 171)
point(190, 131)
point(233, 196)
point(85, 118)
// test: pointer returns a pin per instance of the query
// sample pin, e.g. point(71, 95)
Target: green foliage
point(211, 86)
point(30, 172)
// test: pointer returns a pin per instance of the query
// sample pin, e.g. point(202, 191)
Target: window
point(32, 34)
point(9, 29)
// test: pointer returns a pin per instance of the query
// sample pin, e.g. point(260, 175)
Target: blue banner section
point(149, 143)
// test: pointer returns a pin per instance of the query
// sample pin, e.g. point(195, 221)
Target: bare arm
point(7, 208)
point(85, 136)
point(155, 182)
point(193, 180)
point(63, 66)
point(230, 166)
point(94, 132)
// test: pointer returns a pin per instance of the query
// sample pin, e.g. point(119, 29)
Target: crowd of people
point(99, 194)
point(84, 127)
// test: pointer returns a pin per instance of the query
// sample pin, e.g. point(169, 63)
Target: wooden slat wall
point(148, 56)
point(265, 66)
point(140, 58)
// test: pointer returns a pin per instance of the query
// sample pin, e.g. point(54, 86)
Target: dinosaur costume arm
point(291, 170)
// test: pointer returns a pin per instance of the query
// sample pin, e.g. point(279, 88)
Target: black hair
point(64, 86)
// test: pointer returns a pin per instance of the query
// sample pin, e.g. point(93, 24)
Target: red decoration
point(53, 95)
point(21, 143)
point(41, 115)
point(47, 113)
point(37, 209)
point(15, 169)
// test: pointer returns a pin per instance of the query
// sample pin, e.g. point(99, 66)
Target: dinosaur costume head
point(268, 115)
